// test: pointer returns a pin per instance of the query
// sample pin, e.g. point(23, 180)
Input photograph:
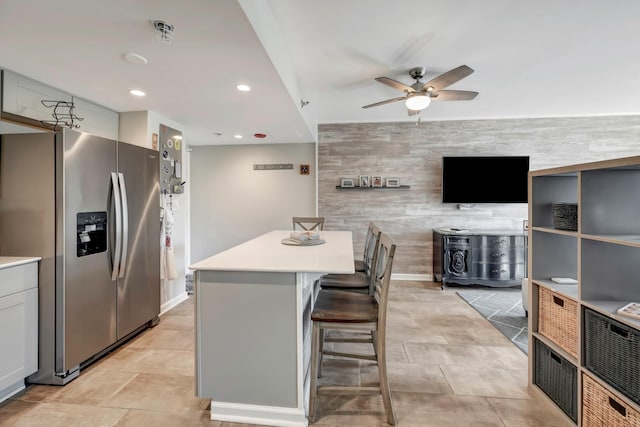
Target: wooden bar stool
point(360, 281)
point(340, 310)
point(370, 243)
point(308, 223)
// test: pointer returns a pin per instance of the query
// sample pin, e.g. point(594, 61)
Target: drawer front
point(457, 240)
point(18, 278)
point(497, 271)
point(496, 241)
point(506, 255)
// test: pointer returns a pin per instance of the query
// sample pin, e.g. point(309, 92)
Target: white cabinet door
point(18, 337)
point(23, 97)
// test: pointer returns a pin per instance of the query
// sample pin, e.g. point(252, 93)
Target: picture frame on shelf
point(376, 181)
point(364, 181)
point(347, 182)
point(393, 182)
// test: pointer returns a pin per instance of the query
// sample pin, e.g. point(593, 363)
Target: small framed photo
point(304, 169)
point(347, 182)
point(376, 181)
point(393, 182)
point(364, 180)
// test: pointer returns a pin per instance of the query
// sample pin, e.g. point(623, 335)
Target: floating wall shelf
point(400, 187)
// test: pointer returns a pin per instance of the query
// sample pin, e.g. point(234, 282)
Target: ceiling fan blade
point(388, 101)
point(395, 84)
point(448, 78)
point(454, 95)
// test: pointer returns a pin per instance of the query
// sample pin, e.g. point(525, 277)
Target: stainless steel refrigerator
point(89, 206)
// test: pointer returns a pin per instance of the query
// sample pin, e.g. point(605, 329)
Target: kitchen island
point(253, 337)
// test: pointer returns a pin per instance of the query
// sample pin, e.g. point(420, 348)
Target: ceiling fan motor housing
point(417, 72)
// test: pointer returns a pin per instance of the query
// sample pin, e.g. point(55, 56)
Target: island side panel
point(246, 338)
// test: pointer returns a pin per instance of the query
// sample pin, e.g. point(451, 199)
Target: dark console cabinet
point(489, 258)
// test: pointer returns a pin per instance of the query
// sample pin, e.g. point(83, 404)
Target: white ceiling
point(540, 58)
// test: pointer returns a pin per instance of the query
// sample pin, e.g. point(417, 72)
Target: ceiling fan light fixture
point(418, 101)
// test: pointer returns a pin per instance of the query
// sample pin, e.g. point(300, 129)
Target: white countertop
point(267, 253)
point(12, 261)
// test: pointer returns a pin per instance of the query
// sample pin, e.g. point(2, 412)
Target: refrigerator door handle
point(125, 224)
point(118, 243)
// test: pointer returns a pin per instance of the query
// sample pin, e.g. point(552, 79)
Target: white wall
point(232, 203)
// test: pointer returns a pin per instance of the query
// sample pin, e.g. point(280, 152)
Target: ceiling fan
point(419, 95)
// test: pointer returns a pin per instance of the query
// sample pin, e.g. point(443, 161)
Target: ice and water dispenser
point(91, 233)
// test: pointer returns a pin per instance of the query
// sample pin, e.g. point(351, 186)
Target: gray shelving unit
point(600, 254)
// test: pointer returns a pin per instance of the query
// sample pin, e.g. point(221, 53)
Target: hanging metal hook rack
point(63, 115)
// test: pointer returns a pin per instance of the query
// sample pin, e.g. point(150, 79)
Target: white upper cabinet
point(23, 97)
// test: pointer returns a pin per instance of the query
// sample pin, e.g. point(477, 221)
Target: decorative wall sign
point(272, 166)
point(393, 182)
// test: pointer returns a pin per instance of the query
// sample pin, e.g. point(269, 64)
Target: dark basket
point(558, 378)
point(565, 216)
point(612, 351)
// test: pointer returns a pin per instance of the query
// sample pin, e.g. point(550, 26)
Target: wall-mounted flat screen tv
point(495, 179)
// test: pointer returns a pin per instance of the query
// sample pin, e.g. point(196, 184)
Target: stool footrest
point(348, 390)
point(351, 340)
point(351, 355)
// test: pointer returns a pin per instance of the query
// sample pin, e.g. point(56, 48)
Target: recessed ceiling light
point(134, 58)
point(137, 92)
point(243, 88)
point(238, 136)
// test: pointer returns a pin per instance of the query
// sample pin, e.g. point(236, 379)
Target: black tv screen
point(498, 179)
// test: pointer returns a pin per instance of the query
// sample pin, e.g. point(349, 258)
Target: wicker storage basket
point(600, 408)
point(565, 216)
point(606, 339)
point(558, 378)
point(558, 320)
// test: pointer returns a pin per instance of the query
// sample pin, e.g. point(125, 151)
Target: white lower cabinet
point(18, 326)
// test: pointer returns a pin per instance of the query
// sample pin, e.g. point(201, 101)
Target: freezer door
point(85, 293)
point(139, 275)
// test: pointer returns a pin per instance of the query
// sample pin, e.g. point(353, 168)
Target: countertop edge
point(10, 261)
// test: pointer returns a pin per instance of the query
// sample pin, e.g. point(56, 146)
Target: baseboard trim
point(257, 414)
point(168, 305)
point(420, 277)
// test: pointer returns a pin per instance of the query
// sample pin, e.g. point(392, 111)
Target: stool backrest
point(381, 276)
point(308, 223)
point(371, 246)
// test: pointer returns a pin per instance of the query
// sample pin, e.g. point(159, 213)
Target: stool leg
point(374, 340)
point(321, 352)
point(384, 383)
point(315, 343)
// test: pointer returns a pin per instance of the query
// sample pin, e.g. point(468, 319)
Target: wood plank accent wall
point(413, 153)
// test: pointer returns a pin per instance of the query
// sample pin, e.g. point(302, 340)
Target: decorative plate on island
point(293, 242)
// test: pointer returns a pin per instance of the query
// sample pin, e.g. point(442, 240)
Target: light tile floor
point(447, 367)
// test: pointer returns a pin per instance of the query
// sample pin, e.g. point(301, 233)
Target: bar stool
point(340, 310)
point(360, 281)
point(308, 222)
point(370, 243)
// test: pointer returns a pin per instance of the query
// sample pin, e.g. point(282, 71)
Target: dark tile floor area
point(502, 307)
